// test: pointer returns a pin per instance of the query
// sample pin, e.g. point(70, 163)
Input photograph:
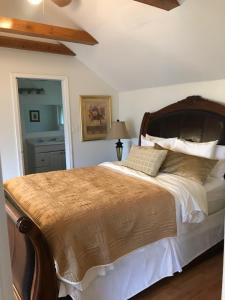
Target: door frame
point(17, 116)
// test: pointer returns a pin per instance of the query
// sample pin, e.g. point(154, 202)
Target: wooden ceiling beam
point(34, 29)
point(31, 45)
point(62, 3)
point(163, 4)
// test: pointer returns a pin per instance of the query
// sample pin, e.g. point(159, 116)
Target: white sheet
point(215, 193)
point(190, 196)
point(191, 207)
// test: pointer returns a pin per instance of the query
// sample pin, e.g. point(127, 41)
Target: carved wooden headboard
point(194, 118)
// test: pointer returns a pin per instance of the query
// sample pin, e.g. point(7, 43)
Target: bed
point(34, 274)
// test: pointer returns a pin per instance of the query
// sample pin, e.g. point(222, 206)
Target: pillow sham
point(146, 142)
point(167, 143)
point(219, 152)
point(198, 149)
point(219, 170)
point(185, 165)
point(145, 159)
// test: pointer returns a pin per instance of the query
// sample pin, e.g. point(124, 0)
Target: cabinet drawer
point(41, 170)
point(49, 148)
point(42, 160)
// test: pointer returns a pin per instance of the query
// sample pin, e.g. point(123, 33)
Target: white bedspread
point(191, 207)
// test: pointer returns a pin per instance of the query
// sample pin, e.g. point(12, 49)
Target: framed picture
point(34, 115)
point(96, 117)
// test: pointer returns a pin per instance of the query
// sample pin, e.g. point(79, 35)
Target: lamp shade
point(118, 131)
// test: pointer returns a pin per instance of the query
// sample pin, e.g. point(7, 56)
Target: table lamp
point(118, 131)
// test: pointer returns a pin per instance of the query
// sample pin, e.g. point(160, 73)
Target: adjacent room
point(112, 149)
point(42, 125)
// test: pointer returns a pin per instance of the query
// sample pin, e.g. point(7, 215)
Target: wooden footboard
point(34, 275)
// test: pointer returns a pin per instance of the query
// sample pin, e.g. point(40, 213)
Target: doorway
point(42, 122)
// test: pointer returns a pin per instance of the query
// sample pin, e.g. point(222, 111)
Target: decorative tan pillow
point(145, 159)
point(189, 166)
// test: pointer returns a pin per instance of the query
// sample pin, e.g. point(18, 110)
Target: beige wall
point(81, 81)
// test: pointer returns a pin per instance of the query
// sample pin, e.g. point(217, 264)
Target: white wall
point(141, 46)
point(82, 81)
point(133, 104)
point(5, 273)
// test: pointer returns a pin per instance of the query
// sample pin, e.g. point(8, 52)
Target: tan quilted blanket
point(92, 216)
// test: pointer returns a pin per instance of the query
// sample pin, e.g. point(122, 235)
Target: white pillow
point(146, 142)
point(219, 152)
point(167, 143)
point(219, 170)
point(206, 150)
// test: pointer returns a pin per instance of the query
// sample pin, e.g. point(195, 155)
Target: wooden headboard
point(194, 118)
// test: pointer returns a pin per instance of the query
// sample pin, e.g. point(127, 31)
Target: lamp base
point(119, 150)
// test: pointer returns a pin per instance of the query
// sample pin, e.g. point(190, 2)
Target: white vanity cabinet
point(46, 157)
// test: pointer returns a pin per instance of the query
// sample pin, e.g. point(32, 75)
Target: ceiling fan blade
point(163, 4)
point(62, 3)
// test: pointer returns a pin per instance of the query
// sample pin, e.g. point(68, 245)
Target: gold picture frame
point(96, 117)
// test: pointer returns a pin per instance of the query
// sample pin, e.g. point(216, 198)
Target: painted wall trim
point(17, 121)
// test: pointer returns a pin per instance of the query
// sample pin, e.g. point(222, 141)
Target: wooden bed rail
point(22, 222)
point(34, 274)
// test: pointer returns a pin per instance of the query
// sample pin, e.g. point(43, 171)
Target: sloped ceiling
point(142, 46)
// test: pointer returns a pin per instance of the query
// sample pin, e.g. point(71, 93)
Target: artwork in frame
point(96, 117)
point(34, 115)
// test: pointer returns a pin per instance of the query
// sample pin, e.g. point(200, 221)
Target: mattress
point(215, 193)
